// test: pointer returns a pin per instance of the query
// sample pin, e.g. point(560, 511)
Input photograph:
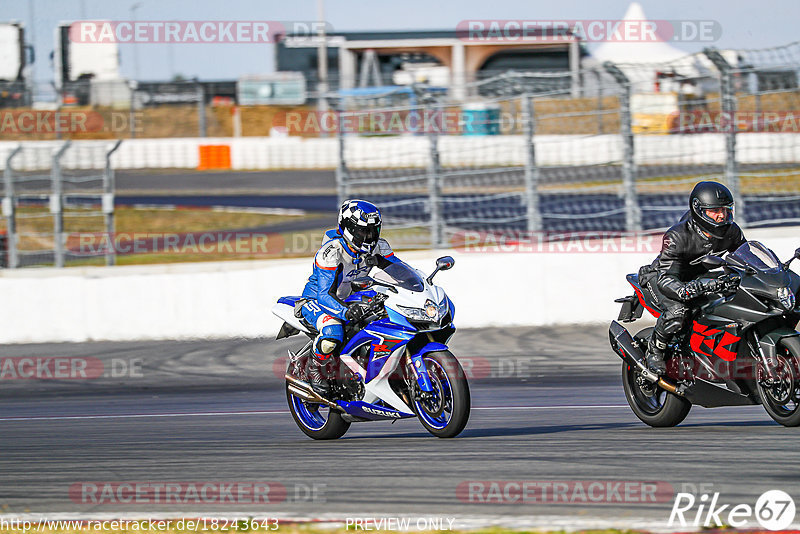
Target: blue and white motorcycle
point(394, 364)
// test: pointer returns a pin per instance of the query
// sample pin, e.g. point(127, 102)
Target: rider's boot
point(318, 377)
point(655, 355)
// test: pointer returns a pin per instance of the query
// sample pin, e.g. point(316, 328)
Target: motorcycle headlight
point(430, 313)
point(786, 298)
point(443, 308)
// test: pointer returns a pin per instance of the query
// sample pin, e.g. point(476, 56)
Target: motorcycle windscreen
point(756, 255)
point(401, 275)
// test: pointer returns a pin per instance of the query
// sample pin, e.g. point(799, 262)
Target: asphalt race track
point(547, 407)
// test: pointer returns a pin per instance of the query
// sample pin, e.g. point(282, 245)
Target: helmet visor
point(717, 215)
point(366, 235)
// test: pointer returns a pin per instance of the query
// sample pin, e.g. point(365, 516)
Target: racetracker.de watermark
point(595, 31)
point(474, 367)
point(192, 31)
point(738, 121)
point(68, 122)
point(558, 242)
point(191, 243)
point(195, 492)
point(564, 491)
point(379, 121)
point(68, 368)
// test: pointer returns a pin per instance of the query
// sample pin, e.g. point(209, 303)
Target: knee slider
point(673, 326)
point(674, 318)
point(327, 346)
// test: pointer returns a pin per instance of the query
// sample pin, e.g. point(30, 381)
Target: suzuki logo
point(703, 336)
point(380, 412)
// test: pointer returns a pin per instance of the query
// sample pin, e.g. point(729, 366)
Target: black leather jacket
point(683, 243)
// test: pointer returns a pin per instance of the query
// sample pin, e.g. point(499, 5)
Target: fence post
point(132, 85)
point(341, 163)
point(108, 205)
point(201, 110)
point(434, 182)
point(728, 104)
point(633, 215)
point(534, 216)
point(56, 205)
point(600, 116)
point(9, 211)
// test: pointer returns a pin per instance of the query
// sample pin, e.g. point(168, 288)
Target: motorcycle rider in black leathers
point(707, 228)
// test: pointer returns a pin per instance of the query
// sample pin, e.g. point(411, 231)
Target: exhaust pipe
point(624, 346)
point(303, 390)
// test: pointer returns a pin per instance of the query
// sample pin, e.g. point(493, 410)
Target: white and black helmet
point(360, 225)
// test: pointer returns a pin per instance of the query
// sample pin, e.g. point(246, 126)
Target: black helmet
point(711, 195)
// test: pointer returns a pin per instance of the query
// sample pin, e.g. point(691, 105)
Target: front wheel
point(444, 412)
point(781, 399)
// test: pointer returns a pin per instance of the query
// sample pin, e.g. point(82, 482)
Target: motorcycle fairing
point(711, 341)
point(645, 299)
point(373, 412)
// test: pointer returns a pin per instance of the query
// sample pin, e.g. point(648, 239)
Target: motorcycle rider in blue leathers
point(347, 253)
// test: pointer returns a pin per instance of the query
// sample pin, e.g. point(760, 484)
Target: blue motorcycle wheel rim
point(438, 378)
point(309, 415)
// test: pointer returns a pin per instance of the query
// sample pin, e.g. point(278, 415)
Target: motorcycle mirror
point(442, 264)
point(789, 261)
point(447, 262)
point(709, 261)
point(712, 261)
point(360, 284)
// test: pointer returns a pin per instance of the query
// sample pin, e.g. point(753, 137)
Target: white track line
point(270, 412)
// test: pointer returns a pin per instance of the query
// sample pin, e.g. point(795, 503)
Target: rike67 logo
point(773, 510)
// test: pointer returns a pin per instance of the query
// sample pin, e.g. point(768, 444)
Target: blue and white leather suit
point(335, 266)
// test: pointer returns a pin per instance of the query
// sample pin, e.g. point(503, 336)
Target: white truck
point(87, 72)
point(15, 59)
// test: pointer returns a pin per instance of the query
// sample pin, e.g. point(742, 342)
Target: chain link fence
point(51, 212)
point(532, 154)
point(611, 148)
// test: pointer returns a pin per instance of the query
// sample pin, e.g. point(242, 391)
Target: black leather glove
point(354, 313)
point(730, 282)
point(715, 285)
point(697, 288)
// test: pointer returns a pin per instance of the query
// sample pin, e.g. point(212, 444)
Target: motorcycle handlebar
point(374, 306)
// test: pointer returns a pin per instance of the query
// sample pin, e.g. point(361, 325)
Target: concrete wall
point(231, 299)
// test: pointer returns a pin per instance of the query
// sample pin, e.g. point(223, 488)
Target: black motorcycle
point(742, 346)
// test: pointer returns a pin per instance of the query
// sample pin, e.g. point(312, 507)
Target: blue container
point(480, 119)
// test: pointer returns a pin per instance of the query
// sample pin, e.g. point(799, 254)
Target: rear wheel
point(651, 404)
point(315, 420)
point(444, 412)
point(781, 397)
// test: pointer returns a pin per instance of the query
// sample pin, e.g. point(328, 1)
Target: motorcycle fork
point(413, 377)
point(762, 362)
